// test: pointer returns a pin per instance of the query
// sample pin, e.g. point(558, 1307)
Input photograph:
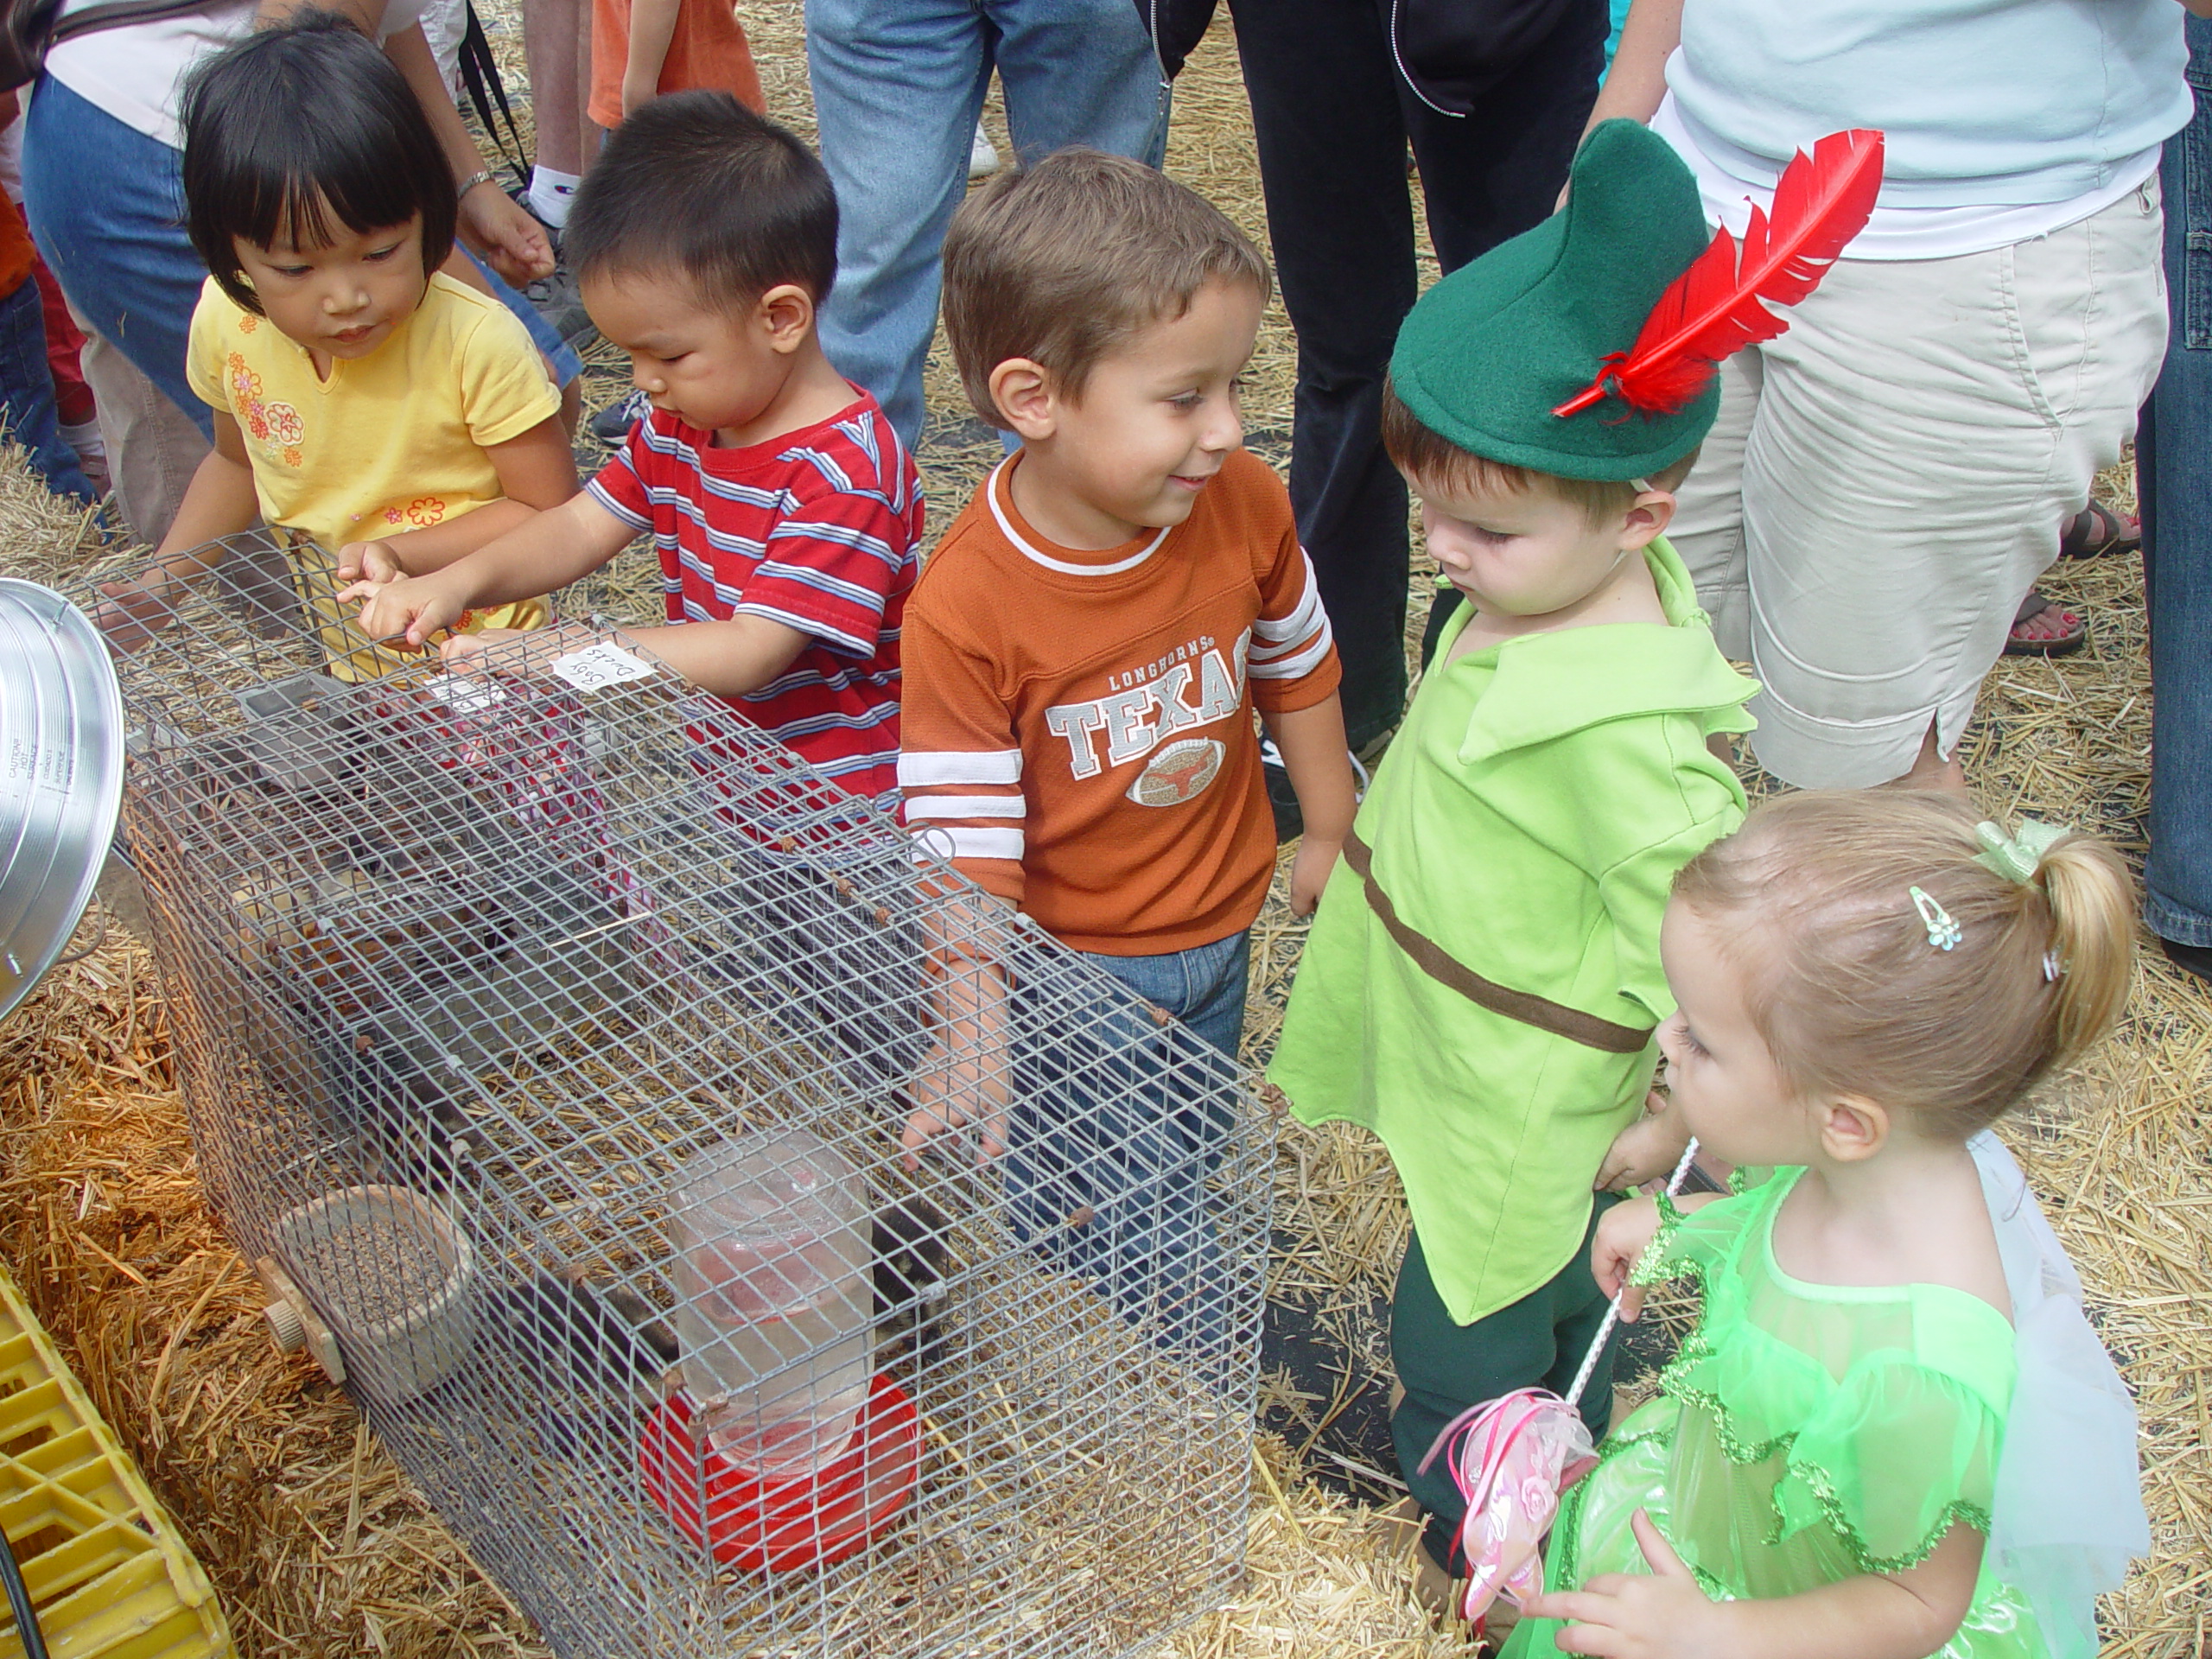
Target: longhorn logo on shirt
point(1179, 773)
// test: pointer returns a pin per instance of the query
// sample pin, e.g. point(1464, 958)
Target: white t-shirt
point(137, 72)
point(1908, 232)
point(2006, 119)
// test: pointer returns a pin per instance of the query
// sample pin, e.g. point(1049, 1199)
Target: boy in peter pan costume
point(1482, 985)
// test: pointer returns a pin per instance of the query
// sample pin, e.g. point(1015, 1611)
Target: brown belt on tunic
point(1449, 971)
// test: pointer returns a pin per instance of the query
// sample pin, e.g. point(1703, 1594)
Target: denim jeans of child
point(1108, 1155)
point(2173, 458)
point(26, 393)
point(897, 85)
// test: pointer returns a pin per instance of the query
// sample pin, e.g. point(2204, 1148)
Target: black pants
point(1333, 119)
point(1535, 1342)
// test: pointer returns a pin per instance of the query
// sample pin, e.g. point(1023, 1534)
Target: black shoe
point(555, 299)
point(1290, 821)
point(2192, 958)
point(612, 425)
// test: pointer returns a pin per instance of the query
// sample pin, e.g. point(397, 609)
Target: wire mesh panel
point(550, 1033)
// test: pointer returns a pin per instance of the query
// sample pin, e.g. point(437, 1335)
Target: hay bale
point(314, 1542)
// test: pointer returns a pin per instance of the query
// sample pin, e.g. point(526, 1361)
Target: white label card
point(600, 665)
point(465, 694)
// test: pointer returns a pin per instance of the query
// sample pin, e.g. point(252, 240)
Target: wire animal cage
point(486, 990)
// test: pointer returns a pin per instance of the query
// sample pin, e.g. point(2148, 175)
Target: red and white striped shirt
point(816, 530)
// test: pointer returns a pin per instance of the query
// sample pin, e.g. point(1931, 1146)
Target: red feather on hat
point(1720, 304)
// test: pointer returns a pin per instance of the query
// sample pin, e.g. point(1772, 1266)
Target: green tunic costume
point(1483, 977)
point(1805, 1434)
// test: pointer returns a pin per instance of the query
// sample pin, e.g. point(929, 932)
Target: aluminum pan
point(61, 777)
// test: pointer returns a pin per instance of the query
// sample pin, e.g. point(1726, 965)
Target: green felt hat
point(1492, 350)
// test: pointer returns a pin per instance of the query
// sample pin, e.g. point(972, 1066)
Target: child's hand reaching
point(366, 564)
point(465, 653)
point(404, 609)
point(956, 1091)
point(1623, 1233)
point(461, 650)
point(1647, 1150)
point(1632, 1616)
point(1309, 871)
point(133, 612)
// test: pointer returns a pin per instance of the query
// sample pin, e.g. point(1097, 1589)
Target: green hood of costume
point(1492, 350)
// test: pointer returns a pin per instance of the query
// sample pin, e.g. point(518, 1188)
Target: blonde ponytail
point(1834, 902)
point(2092, 932)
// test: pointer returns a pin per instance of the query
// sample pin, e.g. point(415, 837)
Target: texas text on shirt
point(1079, 725)
point(815, 530)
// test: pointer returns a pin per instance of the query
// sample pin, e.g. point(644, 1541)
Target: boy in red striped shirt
point(785, 512)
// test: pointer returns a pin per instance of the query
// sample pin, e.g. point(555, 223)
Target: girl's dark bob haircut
point(298, 122)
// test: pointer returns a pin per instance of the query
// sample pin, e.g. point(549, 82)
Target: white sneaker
point(982, 156)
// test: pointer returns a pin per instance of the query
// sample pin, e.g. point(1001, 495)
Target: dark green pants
point(1537, 1342)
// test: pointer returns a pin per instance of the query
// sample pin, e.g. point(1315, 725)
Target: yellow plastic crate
point(106, 1570)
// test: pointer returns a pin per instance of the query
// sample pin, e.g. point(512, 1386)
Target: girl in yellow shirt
point(363, 401)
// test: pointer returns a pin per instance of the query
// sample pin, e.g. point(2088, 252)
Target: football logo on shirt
point(1179, 773)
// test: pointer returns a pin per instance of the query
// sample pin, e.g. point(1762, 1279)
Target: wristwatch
point(482, 175)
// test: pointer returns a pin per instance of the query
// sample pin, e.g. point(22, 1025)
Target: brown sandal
point(2063, 644)
point(2096, 531)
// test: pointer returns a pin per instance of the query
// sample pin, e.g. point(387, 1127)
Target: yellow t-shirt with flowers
point(391, 442)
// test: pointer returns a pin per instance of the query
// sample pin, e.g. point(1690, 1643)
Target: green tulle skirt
point(1805, 1434)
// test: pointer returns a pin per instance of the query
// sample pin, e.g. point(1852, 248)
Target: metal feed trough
point(464, 972)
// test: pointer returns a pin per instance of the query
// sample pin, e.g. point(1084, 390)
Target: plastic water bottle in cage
point(775, 1323)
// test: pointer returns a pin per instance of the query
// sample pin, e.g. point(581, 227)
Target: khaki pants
point(153, 448)
point(1887, 480)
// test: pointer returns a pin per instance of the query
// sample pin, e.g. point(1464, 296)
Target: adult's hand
point(508, 238)
point(1638, 81)
point(504, 235)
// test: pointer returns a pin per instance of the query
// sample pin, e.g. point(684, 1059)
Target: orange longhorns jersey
point(1078, 731)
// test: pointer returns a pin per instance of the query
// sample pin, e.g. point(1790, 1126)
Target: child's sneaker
point(982, 156)
point(556, 300)
point(610, 425)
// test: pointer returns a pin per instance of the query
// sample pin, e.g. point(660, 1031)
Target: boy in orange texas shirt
point(1084, 654)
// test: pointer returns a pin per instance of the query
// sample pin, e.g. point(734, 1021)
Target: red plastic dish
point(784, 1526)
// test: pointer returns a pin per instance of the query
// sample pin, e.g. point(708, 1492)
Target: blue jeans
point(27, 392)
point(898, 84)
point(2173, 457)
point(567, 365)
point(1110, 1149)
point(106, 203)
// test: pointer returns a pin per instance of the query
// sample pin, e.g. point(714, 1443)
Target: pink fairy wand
point(1515, 1456)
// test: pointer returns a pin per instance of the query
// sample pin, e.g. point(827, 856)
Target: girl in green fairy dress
point(1893, 1433)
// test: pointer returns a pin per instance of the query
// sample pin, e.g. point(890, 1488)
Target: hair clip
point(1943, 933)
point(2016, 857)
point(2051, 968)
